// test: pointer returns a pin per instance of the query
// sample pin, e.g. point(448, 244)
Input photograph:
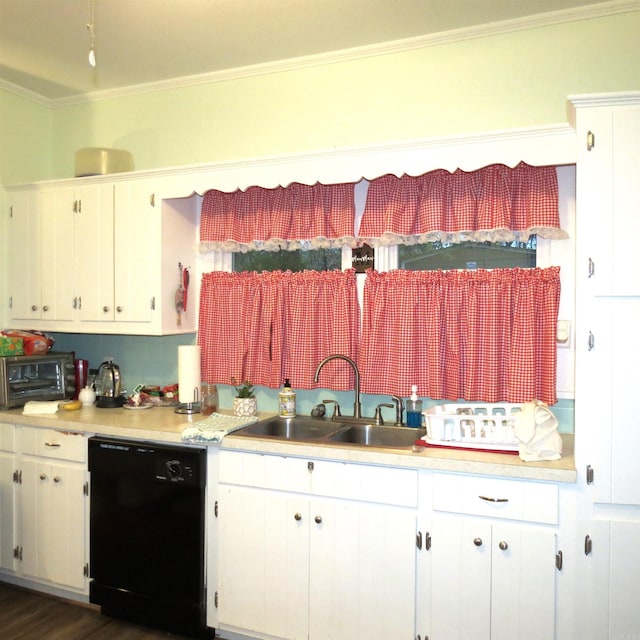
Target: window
point(300, 260)
point(468, 255)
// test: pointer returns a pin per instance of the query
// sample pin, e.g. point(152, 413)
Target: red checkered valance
point(293, 217)
point(474, 335)
point(265, 327)
point(493, 204)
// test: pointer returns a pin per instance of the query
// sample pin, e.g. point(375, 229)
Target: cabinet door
point(522, 582)
point(460, 586)
point(24, 250)
point(57, 295)
point(7, 510)
point(608, 374)
point(94, 253)
point(362, 571)
point(608, 193)
point(136, 251)
point(263, 556)
point(613, 576)
point(53, 523)
point(491, 580)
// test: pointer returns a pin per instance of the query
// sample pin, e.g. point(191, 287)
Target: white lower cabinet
point(8, 471)
point(50, 511)
point(488, 559)
point(306, 550)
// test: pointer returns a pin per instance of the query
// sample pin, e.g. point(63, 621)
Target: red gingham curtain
point(494, 204)
point(265, 327)
point(473, 335)
point(293, 217)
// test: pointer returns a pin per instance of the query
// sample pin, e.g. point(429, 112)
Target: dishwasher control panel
point(174, 469)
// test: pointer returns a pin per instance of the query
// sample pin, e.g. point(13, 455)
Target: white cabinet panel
point(319, 566)
point(53, 523)
point(491, 580)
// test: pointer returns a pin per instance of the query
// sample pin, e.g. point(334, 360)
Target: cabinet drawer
point(7, 437)
point(496, 498)
point(326, 478)
point(49, 443)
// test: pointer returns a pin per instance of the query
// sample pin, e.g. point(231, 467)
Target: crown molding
point(21, 92)
point(602, 9)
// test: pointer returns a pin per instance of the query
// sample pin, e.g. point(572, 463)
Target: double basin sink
point(321, 431)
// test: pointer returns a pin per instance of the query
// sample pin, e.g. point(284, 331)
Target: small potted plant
point(244, 404)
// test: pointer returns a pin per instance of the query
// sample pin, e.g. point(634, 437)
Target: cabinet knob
point(297, 517)
point(503, 545)
point(477, 542)
point(46, 307)
point(105, 309)
point(119, 309)
point(318, 519)
point(56, 479)
point(43, 476)
point(34, 307)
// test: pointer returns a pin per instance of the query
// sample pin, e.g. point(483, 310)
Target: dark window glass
point(467, 255)
point(315, 259)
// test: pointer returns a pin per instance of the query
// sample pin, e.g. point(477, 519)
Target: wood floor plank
point(28, 615)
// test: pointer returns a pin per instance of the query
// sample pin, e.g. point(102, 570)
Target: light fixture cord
point(92, 32)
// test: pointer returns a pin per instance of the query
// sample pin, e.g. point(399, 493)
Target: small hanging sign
point(363, 258)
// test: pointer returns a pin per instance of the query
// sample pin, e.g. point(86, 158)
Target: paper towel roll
point(189, 373)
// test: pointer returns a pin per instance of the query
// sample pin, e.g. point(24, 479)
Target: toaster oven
point(42, 377)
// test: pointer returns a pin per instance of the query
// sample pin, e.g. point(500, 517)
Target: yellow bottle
point(287, 401)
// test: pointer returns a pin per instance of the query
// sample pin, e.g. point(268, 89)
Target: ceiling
point(44, 44)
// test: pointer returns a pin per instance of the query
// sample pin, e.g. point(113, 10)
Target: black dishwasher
point(147, 533)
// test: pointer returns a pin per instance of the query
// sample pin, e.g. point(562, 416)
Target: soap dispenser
point(414, 408)
point(287, 401)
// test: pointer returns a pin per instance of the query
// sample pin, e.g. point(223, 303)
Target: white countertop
point(163, 424)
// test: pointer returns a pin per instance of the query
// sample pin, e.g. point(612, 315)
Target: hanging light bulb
point(92, 33)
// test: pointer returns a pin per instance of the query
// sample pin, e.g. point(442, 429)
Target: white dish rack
point(472, 426)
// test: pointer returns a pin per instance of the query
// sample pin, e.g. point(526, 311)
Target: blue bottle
point(414, 408)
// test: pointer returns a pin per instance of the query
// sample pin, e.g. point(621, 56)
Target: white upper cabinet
point(40, 257)
point(608, 197)
point(100, 257)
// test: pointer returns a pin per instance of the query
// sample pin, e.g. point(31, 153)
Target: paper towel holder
point(190, 407)
point(188, 379)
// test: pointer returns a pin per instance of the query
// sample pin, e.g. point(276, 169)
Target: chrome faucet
point(357, 408)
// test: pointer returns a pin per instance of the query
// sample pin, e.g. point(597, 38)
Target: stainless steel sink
point(298, 428)
point(370, 435)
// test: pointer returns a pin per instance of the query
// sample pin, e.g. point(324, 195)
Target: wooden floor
point(27, 615)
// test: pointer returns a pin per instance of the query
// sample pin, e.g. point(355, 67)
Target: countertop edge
point(162, 424)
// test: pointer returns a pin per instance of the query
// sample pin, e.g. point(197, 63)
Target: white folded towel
point(214, 428)
point(40, 407)
point(537, 430)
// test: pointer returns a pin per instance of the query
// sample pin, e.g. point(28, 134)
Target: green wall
point(512, 80)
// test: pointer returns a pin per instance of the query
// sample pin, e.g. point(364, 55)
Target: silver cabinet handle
point(503, 545)
point(477, 542)
point(52, 444)
point(591, 140)
point(592, 268)
point(489, 499)
point(588, 547)
point(297, 517)
point(591, 342)
point(318, 519)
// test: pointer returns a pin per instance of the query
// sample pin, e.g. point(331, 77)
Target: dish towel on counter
point(40, 407)
point(536, 428)
point(214, 428)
